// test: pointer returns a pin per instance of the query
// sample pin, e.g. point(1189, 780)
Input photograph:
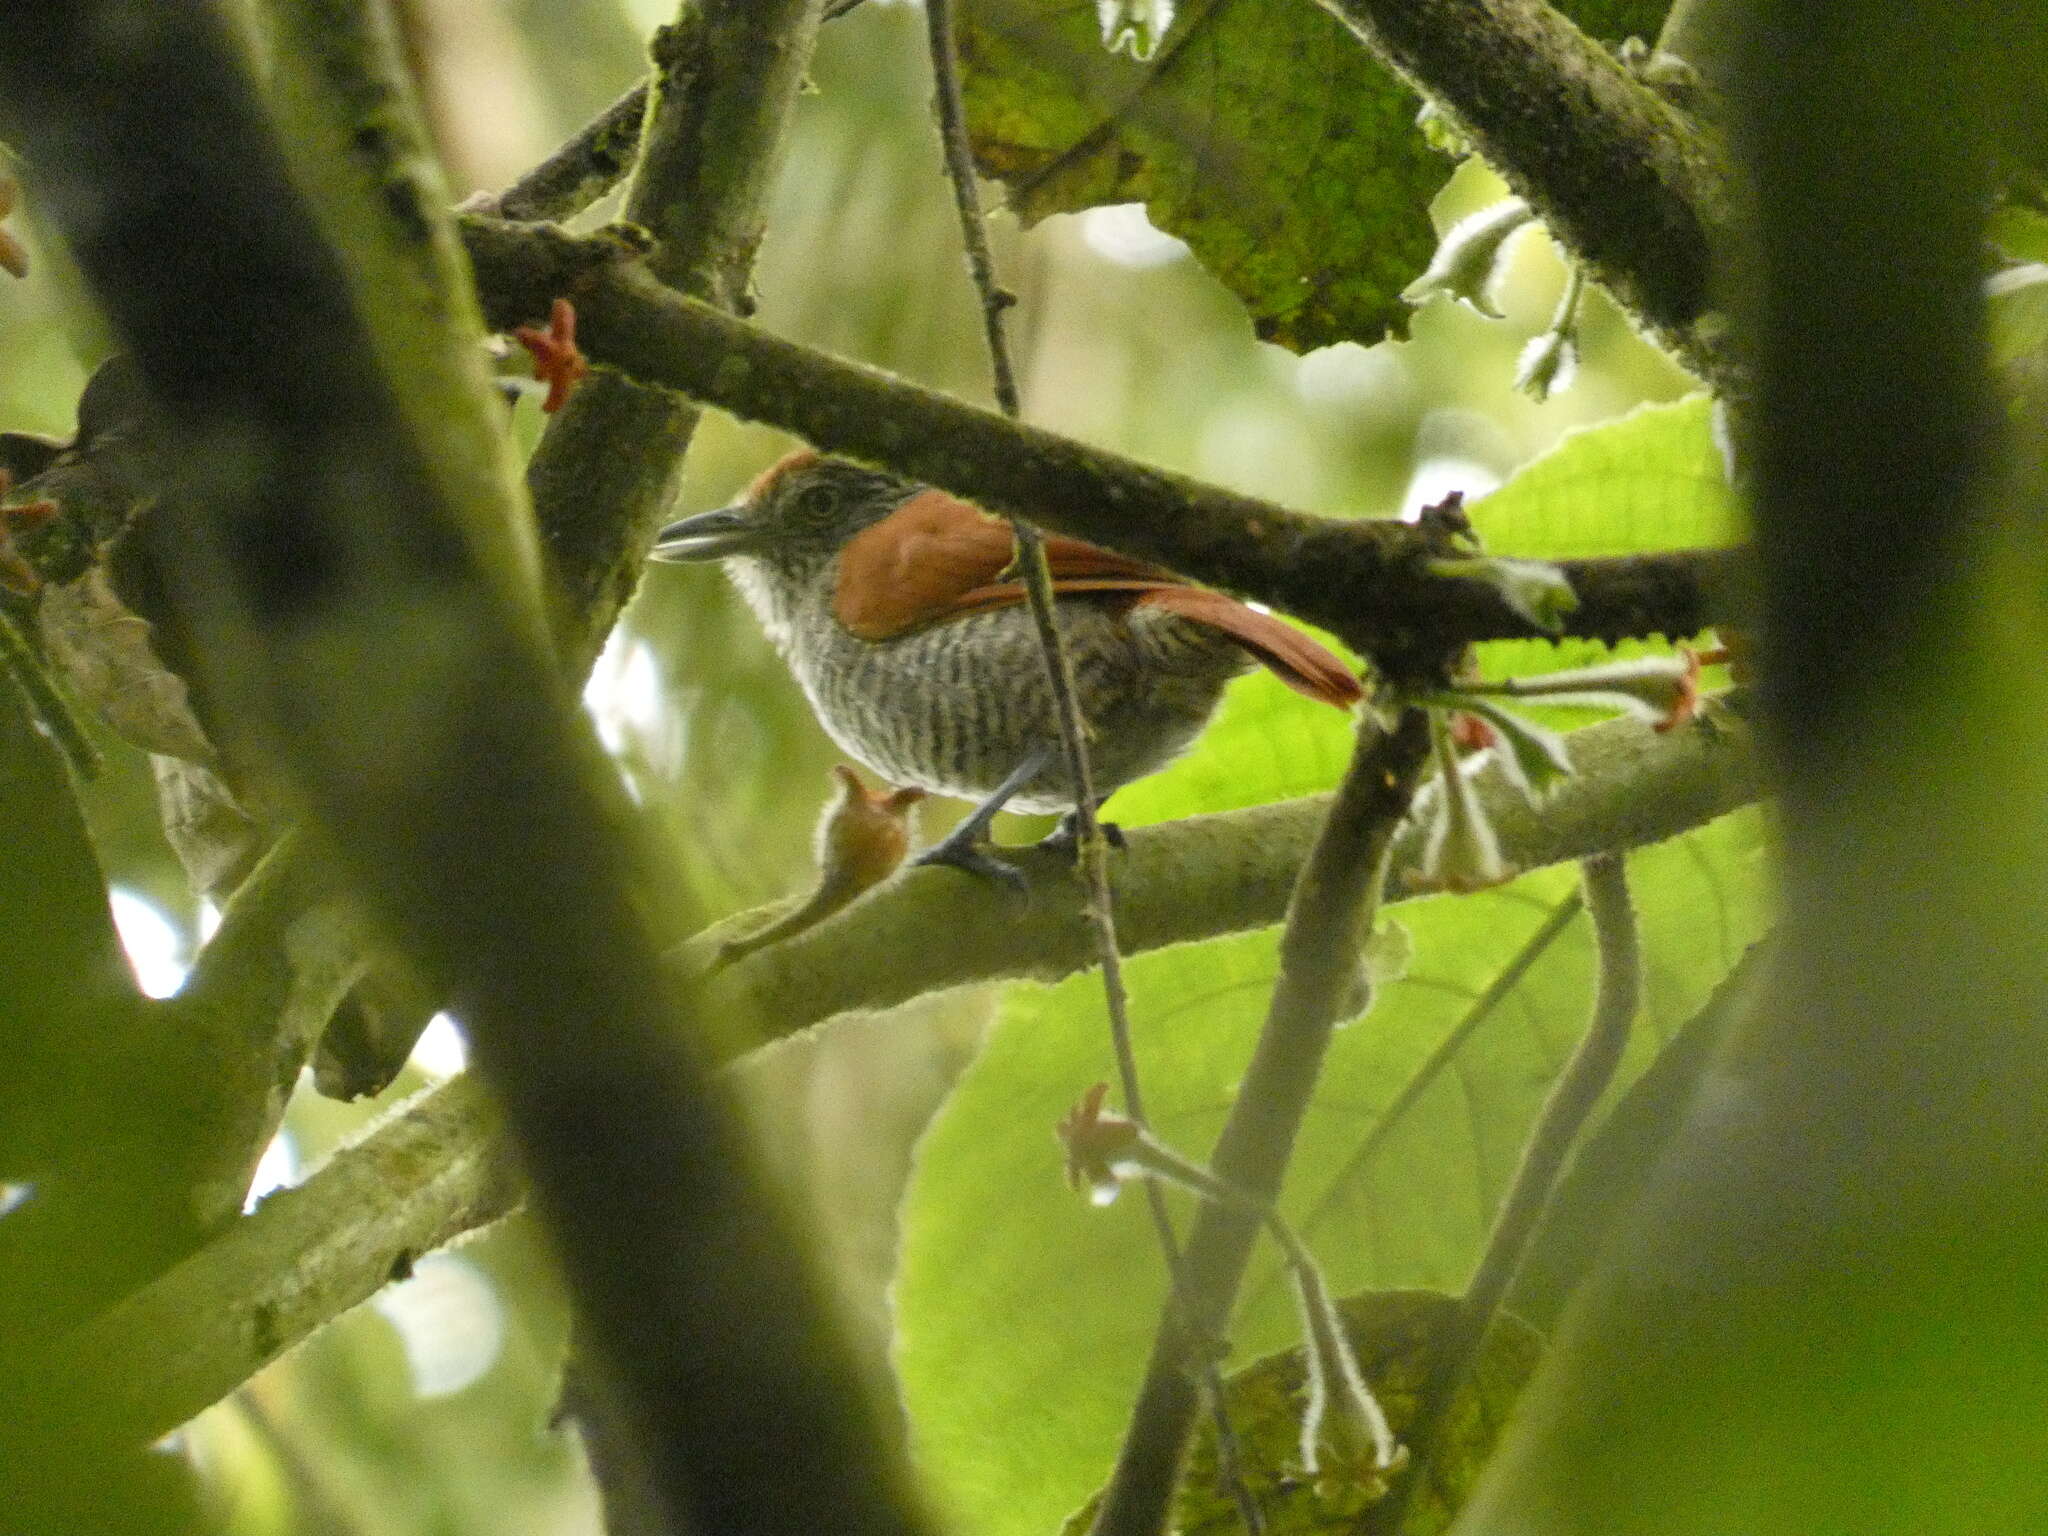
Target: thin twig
point(1335, 898)
point(1617, 992)
point(590, 163)
point(52, 711)
point(1091, 848)
point(581, 171)
point(1483, 1007)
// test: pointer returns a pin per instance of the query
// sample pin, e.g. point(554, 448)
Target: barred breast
point(955, 708)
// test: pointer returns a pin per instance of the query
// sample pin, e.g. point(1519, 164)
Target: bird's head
point(793, 519)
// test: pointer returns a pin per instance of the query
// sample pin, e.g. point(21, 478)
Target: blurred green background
point(428, 1410)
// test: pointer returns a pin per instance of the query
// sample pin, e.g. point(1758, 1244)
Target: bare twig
point(1438, 1061)
point(1091, 846)
point(1328, 917)
point(1617, 993)
point(591, 162)
point(53, 711)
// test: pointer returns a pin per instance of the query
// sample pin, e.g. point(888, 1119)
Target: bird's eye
point(817, 504)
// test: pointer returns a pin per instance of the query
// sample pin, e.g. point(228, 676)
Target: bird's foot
point(973, 856)
point(1065, 839)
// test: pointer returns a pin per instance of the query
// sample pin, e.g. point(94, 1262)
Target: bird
point(899, 609)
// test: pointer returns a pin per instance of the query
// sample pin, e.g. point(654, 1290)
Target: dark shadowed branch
point(1180, 883)
point(370, 622)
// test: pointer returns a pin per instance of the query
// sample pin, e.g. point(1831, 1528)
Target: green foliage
point(1652, 479)
point(1024, 1318)
point(1259, 132)
point(2019, 315)
point(1395, 1334)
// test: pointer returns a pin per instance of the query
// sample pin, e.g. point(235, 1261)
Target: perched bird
point(897, 607)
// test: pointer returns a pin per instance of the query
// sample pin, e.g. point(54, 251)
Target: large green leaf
point(1652, 479)
point(1261, 132)
point(1025, 1316)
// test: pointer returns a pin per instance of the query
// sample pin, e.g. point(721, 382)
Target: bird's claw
point(975, 859)
point(1065, 839)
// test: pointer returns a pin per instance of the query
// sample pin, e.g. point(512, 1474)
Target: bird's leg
point(964, 847)
point(1066, 837)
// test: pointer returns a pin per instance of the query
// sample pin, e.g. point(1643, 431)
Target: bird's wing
point(937, 557)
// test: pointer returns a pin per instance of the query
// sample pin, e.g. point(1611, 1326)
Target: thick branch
point(1829, 1249)
point(1633, 787)
point(1630, 185)
point(605, 475)
point(1362, 580)
point(434, 1171)
point(231, 1043)
point(372, 630)
point(1210, 875)
point(63, 979)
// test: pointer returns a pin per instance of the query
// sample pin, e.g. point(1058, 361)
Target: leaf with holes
point(1260, 131)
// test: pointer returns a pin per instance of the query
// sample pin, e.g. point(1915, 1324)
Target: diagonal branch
point(1364, 580)
point(604, 478)
point(173, 1335)
point(1617, 992)
point(577, 174)
point(373, 629)
point(434, 1170)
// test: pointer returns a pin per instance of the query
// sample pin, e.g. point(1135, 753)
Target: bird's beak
point(708, 536)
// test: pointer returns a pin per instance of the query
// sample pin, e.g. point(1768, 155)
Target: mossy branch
point(1209, 875)
point(1633, 787)
point(1630, 185)
point(604, 478)
point(434, 1170)
point(230, 1044)
point(374, 635)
